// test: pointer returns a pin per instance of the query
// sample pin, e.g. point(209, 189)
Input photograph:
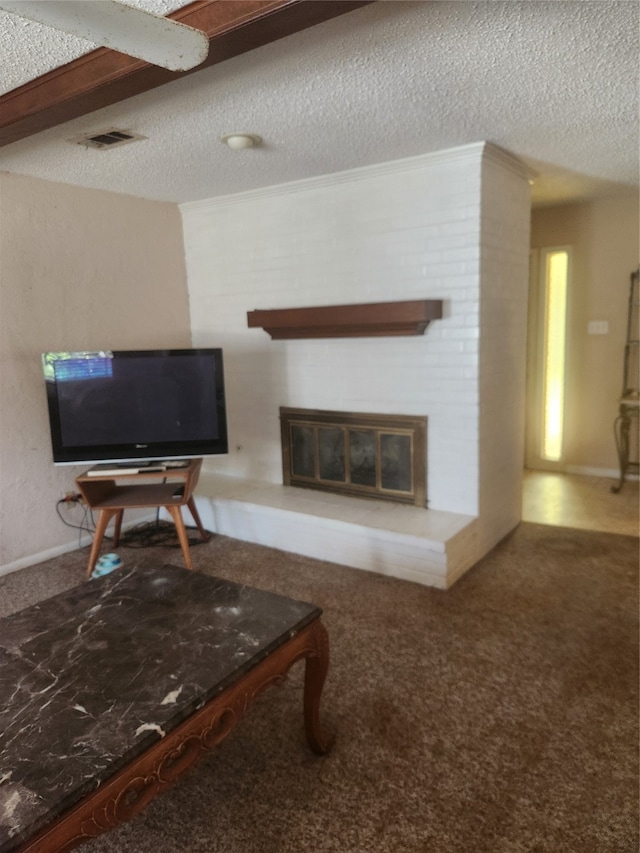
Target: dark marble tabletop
point(91, 678)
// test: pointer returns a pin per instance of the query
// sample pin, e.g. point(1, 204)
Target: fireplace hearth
point(367, 455)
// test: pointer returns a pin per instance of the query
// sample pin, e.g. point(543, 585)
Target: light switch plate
point(598, 327)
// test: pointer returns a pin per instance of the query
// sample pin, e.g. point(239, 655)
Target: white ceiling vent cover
point(112, 138)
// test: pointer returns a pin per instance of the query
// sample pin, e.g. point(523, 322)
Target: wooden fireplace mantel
point(374, 319)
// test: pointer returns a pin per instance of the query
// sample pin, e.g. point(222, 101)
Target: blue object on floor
point(107, 563)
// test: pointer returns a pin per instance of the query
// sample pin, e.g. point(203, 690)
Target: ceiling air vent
point(111, 138)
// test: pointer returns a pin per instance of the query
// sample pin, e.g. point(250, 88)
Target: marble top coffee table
point(109, 691)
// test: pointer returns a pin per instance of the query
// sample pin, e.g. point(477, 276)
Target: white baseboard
point(607, 473)
point(50, 553)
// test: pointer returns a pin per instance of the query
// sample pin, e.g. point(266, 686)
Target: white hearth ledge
point(428, 547)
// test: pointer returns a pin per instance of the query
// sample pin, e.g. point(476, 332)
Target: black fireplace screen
point(381, 456)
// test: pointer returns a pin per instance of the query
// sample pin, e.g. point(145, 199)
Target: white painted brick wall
point(505, 224)
point(405, 230)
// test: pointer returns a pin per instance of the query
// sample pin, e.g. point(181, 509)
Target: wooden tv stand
point(111, 492)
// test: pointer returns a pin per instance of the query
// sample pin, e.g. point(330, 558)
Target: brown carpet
point(499, 716)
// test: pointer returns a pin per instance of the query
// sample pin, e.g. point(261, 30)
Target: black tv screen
point(135, 405)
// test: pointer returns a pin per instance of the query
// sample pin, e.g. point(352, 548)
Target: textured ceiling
point(554, 82)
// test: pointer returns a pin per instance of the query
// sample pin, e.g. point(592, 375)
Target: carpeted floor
point(499, 716)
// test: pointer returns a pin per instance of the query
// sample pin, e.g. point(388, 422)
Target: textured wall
point(80, 269)
point(604, 237)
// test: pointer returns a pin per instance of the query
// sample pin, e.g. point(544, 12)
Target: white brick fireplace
point(453, 225)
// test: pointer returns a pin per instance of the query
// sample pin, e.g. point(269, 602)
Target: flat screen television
point(135, 405)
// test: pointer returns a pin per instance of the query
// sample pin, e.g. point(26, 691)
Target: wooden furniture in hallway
point(626, 424)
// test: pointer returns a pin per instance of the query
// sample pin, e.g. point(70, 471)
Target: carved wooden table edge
point(126, 794)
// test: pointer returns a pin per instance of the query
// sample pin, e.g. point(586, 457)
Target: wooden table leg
point(182, 533)
point(317, 664)
point(196, 517)
point(117, 529)
point(103, 521)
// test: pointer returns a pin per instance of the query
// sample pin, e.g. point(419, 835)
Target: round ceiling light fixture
point(239, 141)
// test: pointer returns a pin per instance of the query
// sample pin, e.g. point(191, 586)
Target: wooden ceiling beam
point(104, 77)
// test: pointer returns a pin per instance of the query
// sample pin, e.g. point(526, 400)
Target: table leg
point(118, 528)
point(196, 517)
point(103, 522)
point(317, 664)
point(182, 534)
point(622, 426)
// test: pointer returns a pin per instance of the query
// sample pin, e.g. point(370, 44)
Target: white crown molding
point(507, 160)
point(473, 152)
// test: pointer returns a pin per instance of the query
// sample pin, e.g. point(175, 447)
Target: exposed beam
point(119, 26)
point(104, 77)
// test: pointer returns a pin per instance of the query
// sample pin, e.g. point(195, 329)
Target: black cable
point(145, 535)
point(152, 533)
point(87, 523)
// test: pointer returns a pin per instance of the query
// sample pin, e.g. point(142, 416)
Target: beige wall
point(79, 269)
point(604, 236)
point(87, 269)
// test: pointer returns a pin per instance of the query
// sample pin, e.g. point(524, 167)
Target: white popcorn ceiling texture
point(555, 83)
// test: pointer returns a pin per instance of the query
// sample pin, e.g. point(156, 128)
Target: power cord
point(144, 535)
point(151, 533)
point(87, 522)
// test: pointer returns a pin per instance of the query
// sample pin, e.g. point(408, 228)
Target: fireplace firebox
point(367, 455)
